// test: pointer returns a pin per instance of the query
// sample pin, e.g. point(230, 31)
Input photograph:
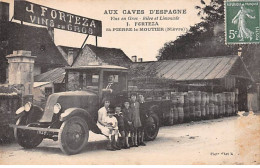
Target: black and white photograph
point(129, 82)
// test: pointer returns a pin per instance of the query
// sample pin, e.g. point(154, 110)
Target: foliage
point(207, 39)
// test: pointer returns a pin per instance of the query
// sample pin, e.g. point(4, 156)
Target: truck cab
point(69, 116)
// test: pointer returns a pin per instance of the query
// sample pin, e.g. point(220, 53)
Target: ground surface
point(231, 140)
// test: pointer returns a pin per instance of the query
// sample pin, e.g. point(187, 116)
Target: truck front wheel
point(73, 135)
point(151, 128)
point(26, 138)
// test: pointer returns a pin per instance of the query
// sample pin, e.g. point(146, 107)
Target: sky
point(143, 44)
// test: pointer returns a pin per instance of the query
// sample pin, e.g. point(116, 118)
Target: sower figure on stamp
point(240, 20)
point(143, 117)
point(107, 124)
point(134, 107)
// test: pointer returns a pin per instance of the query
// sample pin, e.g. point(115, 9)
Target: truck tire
point(26, 138)
point(73, 135)
point(151, 128)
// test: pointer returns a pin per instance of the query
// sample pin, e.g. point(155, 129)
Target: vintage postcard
point(129, 82)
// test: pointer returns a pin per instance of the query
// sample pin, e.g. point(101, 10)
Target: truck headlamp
point(20, 110)
point(56, 108)
point(27, 106)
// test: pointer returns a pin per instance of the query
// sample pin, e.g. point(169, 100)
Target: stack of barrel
point(197, 105)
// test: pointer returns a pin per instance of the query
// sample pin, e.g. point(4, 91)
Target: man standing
point(143, 117)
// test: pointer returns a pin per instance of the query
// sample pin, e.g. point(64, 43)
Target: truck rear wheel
point(73, 135)
point(151, 128)
point(26, 138)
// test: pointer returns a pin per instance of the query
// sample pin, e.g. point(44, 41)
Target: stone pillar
point(20, 70)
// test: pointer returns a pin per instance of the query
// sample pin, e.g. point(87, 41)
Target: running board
point(35, 128)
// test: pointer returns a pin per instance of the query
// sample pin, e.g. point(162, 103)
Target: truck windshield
point(82, 81)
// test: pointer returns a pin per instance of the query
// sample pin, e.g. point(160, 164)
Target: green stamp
point(242, 22)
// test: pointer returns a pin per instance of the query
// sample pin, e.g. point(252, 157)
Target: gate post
point(20, 72)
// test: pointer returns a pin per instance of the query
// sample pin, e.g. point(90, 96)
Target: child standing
point(128, 117)
point(134, 107)
point(121, 125)
point(143, 117)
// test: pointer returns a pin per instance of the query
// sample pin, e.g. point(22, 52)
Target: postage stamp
point(242, 22)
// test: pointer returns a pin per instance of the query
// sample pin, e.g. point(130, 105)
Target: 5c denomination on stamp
point(242, 22)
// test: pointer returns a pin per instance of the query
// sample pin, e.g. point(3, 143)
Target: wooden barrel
point(186, 108)
point(180, 114)
point(207, 111)
point(175, 115)
point(169, 117)
point(203, 112)
point(207, 106)
point(197, 113)
point(212, 98)
point(225, 103)
point(211, 110)
point(228, 103)
point(197, 97)
point(191, 98)
point(197, 102)
point(192, 112)
point(180, 98)
point(203, 98)
point(216, 110)
point(220, 104)
point(174, 98)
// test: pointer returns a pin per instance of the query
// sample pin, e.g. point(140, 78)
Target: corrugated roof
point(56, 75)
point(196, 68)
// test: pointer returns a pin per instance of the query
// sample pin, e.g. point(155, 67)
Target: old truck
point(69, 116)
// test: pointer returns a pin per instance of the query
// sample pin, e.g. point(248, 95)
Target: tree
point(207, 39)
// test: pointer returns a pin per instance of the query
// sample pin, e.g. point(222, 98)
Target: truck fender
point(32, 116)
point(83, 113)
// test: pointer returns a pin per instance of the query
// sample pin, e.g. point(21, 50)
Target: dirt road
point(232, 140)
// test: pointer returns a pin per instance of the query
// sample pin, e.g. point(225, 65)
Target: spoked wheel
point(73, 135)
point(151, 127)
point(26, 138)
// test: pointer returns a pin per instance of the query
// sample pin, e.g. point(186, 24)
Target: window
point(82, 81)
